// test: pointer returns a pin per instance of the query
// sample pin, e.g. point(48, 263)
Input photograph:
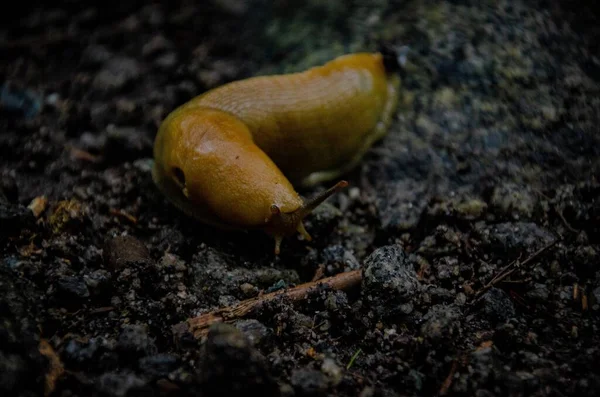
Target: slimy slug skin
point(232, 156)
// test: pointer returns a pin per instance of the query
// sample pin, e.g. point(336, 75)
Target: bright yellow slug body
point(231, 156)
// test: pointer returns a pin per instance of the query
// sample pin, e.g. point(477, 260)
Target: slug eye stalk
point(285, 224)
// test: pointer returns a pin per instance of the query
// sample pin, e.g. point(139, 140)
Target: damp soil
point(474, 223)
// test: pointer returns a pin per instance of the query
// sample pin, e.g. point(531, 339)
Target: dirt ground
point(473, 227)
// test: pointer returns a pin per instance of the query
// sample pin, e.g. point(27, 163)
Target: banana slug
point(230, 157)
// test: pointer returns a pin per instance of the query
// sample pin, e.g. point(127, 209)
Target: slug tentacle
point(302, 230)
point(285, 224)
point(310, 205)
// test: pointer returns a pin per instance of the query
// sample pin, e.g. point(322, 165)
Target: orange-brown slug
point(231, 156)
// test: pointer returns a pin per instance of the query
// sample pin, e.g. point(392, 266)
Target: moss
point(66, 212)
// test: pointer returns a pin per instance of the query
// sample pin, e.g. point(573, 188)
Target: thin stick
point(558, 212)
point(512, 267)
point(565, 222)
point(198, 326)
point(448, 381)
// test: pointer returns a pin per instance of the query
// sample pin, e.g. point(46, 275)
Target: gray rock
point(539, 293)
point(389, 279)
point(309, 382)
point(159, 365)
point(496, 306)
point(515, 237)
point(72, 287)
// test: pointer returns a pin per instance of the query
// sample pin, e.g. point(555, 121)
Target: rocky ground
point(475, 222)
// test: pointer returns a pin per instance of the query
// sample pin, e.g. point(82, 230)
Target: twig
point(102, 309)
point(565, 222)
point(504, 270)
point(462, 359)
point(55, 368)
point(123, 214)
point(79, 154)
point(558, 212)
point(448, 381)
point(319, 273)
point(198, 326)
point(520, 281)
point(512, 267)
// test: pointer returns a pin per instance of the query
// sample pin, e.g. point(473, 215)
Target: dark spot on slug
point(237, 157)
point(179, 176)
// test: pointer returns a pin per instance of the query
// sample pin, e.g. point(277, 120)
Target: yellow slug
point(231, 156)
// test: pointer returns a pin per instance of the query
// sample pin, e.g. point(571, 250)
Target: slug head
point(207, 164)
point(282, 224)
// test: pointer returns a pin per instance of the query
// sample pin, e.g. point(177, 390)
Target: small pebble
point(98, 280)
point(70, 287)
point(515, 237)
point(309, 382)
point(337, 258)
point(539, 293)
point(332, 370)
point(497, 306)
point(389, 280)
point(167, 61)
point(134, 340)
point(248, 289)
point(159, 365)
point(156, 45)
point(254, 330)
